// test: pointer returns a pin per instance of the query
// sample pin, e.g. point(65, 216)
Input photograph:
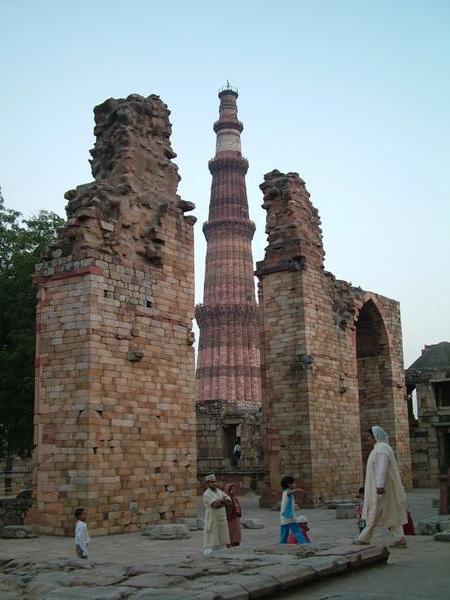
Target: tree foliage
point(21, 243)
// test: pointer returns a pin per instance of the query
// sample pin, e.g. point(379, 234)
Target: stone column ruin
point(115, 399)
point(331, 358)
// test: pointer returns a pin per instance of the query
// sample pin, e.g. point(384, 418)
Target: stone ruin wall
point(423, 432)
point(115, 401)
point(315, 407)
point(214, 450)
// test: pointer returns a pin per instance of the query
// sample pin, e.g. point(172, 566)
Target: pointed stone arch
point(374, 369)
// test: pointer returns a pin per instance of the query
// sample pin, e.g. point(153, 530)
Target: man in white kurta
point(215, 532)
point(385, 500)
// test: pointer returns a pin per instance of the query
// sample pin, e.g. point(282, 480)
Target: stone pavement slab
point(228, 574)
point(46, 567)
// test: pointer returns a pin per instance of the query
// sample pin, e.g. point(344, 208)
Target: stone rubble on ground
point(17, 532)
point(434, 524)
point(193, 523)
point(346, 510)
point(227, 575)
point(172, 531)
point(252, 523)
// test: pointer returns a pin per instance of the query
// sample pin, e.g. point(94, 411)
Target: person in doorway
point(234, 513)
point(384, 497)
point(82, 538)
point(215, 532)
point(236, 454)
point(287, 512)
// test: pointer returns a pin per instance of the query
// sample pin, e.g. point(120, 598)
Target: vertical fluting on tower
point(228, 357)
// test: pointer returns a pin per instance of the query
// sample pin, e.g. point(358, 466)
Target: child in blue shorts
point(287, 512)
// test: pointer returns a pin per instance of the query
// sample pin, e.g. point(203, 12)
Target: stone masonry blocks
point(115, 388)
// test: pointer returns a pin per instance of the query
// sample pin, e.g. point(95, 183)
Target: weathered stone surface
point(358, 556)
point(237, 574)
point(43, 583)
point(434, 524)
point(17, 532)
point(346, 510)
point(327, 566)
point(153, 580)
point(173, 594)
point(115, 365)
point(442, 537)
point(193, 523)
point(89, 593)
point(252, 523)
point(260, 586)
point(10, 587)
point(329, 343)
point(231, 592)
point(14, 508)
point(167, 532)
point(98, 577)
point(190, 572)
point(289, 577)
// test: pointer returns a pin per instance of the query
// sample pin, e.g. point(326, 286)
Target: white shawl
point(382, 471)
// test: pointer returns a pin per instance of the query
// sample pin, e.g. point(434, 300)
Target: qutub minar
point(228, 369)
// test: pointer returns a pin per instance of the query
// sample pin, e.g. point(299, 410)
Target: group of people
point(382, 503)
point(223, 512)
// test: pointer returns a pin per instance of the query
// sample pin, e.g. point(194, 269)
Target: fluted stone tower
point(228, 370)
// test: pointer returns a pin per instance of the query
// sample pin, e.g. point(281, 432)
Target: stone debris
point(17, 532)
point(434, 524)
point(442, 537)
point(346, 510)
point(193, 523)
point(172, 531)
point(252, 523)
point(226, 575)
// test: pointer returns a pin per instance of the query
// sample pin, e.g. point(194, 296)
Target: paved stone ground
point(405, 573)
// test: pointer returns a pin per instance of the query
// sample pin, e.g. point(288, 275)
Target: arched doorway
point(374, 374)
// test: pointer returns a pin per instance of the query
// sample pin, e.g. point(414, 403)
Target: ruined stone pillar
point(115, 400)
point(331, 358)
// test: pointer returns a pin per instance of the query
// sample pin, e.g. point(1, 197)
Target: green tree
point(21, 244)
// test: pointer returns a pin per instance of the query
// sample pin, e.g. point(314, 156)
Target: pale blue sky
point(353, 95)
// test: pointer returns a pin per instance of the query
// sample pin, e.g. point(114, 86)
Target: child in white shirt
point(82, 538)
point(288, 521)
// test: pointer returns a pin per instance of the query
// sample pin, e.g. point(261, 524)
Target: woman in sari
point(233, 515)
point(384, 497)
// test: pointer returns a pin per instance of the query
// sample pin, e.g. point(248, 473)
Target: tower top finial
point(227, 89)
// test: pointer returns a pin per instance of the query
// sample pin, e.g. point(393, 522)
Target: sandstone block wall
point(331, 358)
point(115, 398)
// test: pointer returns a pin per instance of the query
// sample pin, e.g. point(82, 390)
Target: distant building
point(429, 375)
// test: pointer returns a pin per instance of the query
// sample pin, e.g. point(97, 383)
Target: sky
point(352, 95)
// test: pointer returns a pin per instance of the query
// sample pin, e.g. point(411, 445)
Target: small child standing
point(287, 512)
point(359, 509)
point(82, 538)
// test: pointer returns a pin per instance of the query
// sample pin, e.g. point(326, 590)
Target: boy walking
point(287, 512)
point(82, 538)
